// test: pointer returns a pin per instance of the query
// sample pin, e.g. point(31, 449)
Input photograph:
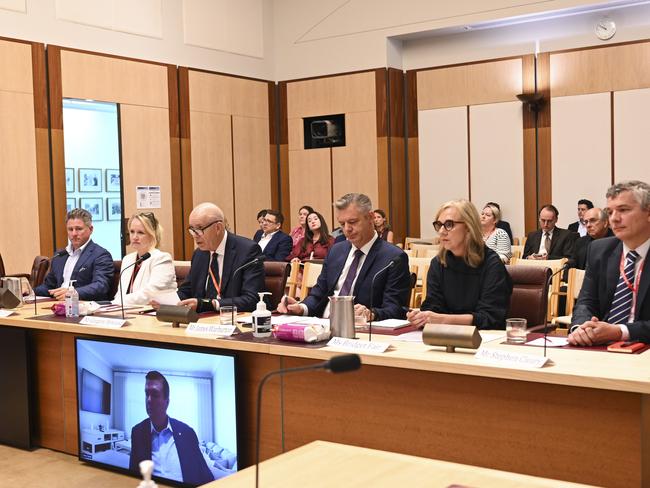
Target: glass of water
point(516, 331)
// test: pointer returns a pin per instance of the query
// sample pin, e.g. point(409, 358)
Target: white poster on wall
point(147, 196)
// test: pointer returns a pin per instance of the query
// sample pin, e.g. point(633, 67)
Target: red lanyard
point(217, 286)
point(637, 278)
point(133, 275)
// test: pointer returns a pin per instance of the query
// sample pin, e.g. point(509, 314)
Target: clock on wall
point(605, 29)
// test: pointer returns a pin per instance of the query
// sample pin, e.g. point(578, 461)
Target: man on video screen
point(172, 445)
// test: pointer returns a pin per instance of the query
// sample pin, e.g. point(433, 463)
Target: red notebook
point(628, 347)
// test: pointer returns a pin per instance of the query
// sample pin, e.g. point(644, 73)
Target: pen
point(285, 301)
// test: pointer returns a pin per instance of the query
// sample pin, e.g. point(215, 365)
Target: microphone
point(548, 284)
point(337, 364)
point(372, 289)
point(59, 253)
point(144, 257)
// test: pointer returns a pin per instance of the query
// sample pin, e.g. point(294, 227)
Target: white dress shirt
point(73, 257)
point(266, 238)
point(542, 248)
point(164, 453)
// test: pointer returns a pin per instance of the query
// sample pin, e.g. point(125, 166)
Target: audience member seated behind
point(140, 283)
point(495, 238)
point(351, 265)
point(88, 264)
point(212, 281)
point(382, 227)
point(298, 232)
point(580, 225)
point(467, 283)
point(316, 243)
point(597, 228)
point(502, 224)
point(275, 244)
point(614, 301)
point(260, 221)
point(550, 242)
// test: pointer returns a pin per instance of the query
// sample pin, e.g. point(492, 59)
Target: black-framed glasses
point(447, 224)
point(199, 231)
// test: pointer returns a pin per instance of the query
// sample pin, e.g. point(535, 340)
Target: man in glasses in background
point(595, 220)
point(275, 244)
point(227, 270)
point(549, 242)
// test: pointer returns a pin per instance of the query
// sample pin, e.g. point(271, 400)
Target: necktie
point(547, 242)
point(622, 303)
point(213, 277)
point(352, 274)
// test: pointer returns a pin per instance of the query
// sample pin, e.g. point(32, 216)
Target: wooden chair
point(419, 266)
point(515, 241)
point(408, 241)
point(421, 295)
point(276, 274)
point(421, 249)
point(181, 269)
point(574, 284)
point(432, 252)
point(554, 290)
point(294, 279)
point(410, 253)
point(517, 251)
point(529, 297)
point(310, 275)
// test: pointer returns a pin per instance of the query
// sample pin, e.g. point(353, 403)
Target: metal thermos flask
point(342, 316)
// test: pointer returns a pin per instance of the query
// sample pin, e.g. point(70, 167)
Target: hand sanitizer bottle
point(71, 301)
point(261, 318)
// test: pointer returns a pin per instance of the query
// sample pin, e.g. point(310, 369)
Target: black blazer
point(278, 248)
point(240, 290)
point(392, 287)
point(502, 224)
point(601, 277)
point(580, 247)
point(561, 243)
point(574, 226)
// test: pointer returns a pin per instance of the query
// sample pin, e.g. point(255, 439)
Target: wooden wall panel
point(581, 152)
point(310, 179)
point(631, 129)
point(610, 68)
point(443, 163)
point(252, 177)
point(212, 171)
point(112, 79)
point(146, 161)
point(16, 67)
point(209, 93)
point(472, 84)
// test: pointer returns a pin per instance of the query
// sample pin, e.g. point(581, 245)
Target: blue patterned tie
point(352, 274)
point(623, 296)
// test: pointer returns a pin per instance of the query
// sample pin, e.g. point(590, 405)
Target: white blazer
point(156, 274)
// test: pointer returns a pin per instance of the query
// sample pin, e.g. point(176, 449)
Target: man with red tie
point(614, 304)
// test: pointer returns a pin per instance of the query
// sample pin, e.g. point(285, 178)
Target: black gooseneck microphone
point(234, 273)
point(548, 284)
point(337, 364)
point(144, 257)
point(62, 252)
point(372, 289)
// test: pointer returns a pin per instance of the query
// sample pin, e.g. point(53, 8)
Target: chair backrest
point(422, 249)
point(276, 274)
point(554, 265)
point(574, 284)
point(409, 241)
point(294, 279)
point(515, 241)
point(310, 274)
point(181, 269)
point(529, 298)
point(117, 265)
point(432, 252)
point(420, 263)
point(40, 268)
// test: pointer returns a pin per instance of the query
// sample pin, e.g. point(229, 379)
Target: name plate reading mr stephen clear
point(510, 359)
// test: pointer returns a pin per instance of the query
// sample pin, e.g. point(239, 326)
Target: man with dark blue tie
point(614, 304)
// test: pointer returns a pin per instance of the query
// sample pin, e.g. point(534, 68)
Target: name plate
point(355, 345)
point(194, 328)
point(6, 313)
point(102, 322)
point(511, 359)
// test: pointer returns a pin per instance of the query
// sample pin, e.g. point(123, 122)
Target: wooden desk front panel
point(575, 434)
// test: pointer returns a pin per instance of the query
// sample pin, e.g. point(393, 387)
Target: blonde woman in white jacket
point(142, 282)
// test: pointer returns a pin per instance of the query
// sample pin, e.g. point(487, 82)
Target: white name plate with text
point(102, 322)
point(511, 359)
point(194, 328)
point(355, 345)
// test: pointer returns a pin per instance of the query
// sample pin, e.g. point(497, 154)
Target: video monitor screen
point(174, 405)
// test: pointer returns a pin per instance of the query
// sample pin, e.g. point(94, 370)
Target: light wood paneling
point(146, 161)
point(472, 84)
point(496, 155)
point(310, 179)
point(581, 152)
point(16, 67)
point(443, 165)
point(611, 68)
point(252, 171)
point(222, 94)
point(113, 79)
point(355, 164)
point(212, 172)
point(250, 98)
point(631, 129)
point(19, 216)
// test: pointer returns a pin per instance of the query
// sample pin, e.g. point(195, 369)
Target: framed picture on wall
point(69, 180)
point(70, 204)
point(90, 180)
point(112, 180)
point(113, 209)
point(95, 206)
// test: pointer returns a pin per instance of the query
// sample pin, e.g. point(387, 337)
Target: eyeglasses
point(447, 224)
point(269, 221)
point(590, 221)
point(199, 231)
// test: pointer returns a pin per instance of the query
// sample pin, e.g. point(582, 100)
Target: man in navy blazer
point(275, 244)
point(89, 265)
point(614, 302)
point(226, 269)
point(350, 267)
point(171, 444)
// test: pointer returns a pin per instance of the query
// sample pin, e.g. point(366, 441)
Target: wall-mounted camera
point(324, 131)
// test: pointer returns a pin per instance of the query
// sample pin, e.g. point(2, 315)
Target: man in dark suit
point(597, 227)
point(226, 269)
point(550, 242)
point(89, 265)
point(614, 302)
point(580, 225)
point(172, 445)
point(275, 244)
point(350, 267)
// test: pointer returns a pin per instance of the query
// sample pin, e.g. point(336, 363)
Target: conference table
point(584, 417)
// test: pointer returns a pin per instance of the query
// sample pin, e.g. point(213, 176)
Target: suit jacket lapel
point(229, 259)
point(337, 264)
point(83, 259)
point(613, 272)
point(367, 265)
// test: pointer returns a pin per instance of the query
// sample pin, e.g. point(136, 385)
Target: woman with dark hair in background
point(317, 241)
point(381, 225)
point(298, 232)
